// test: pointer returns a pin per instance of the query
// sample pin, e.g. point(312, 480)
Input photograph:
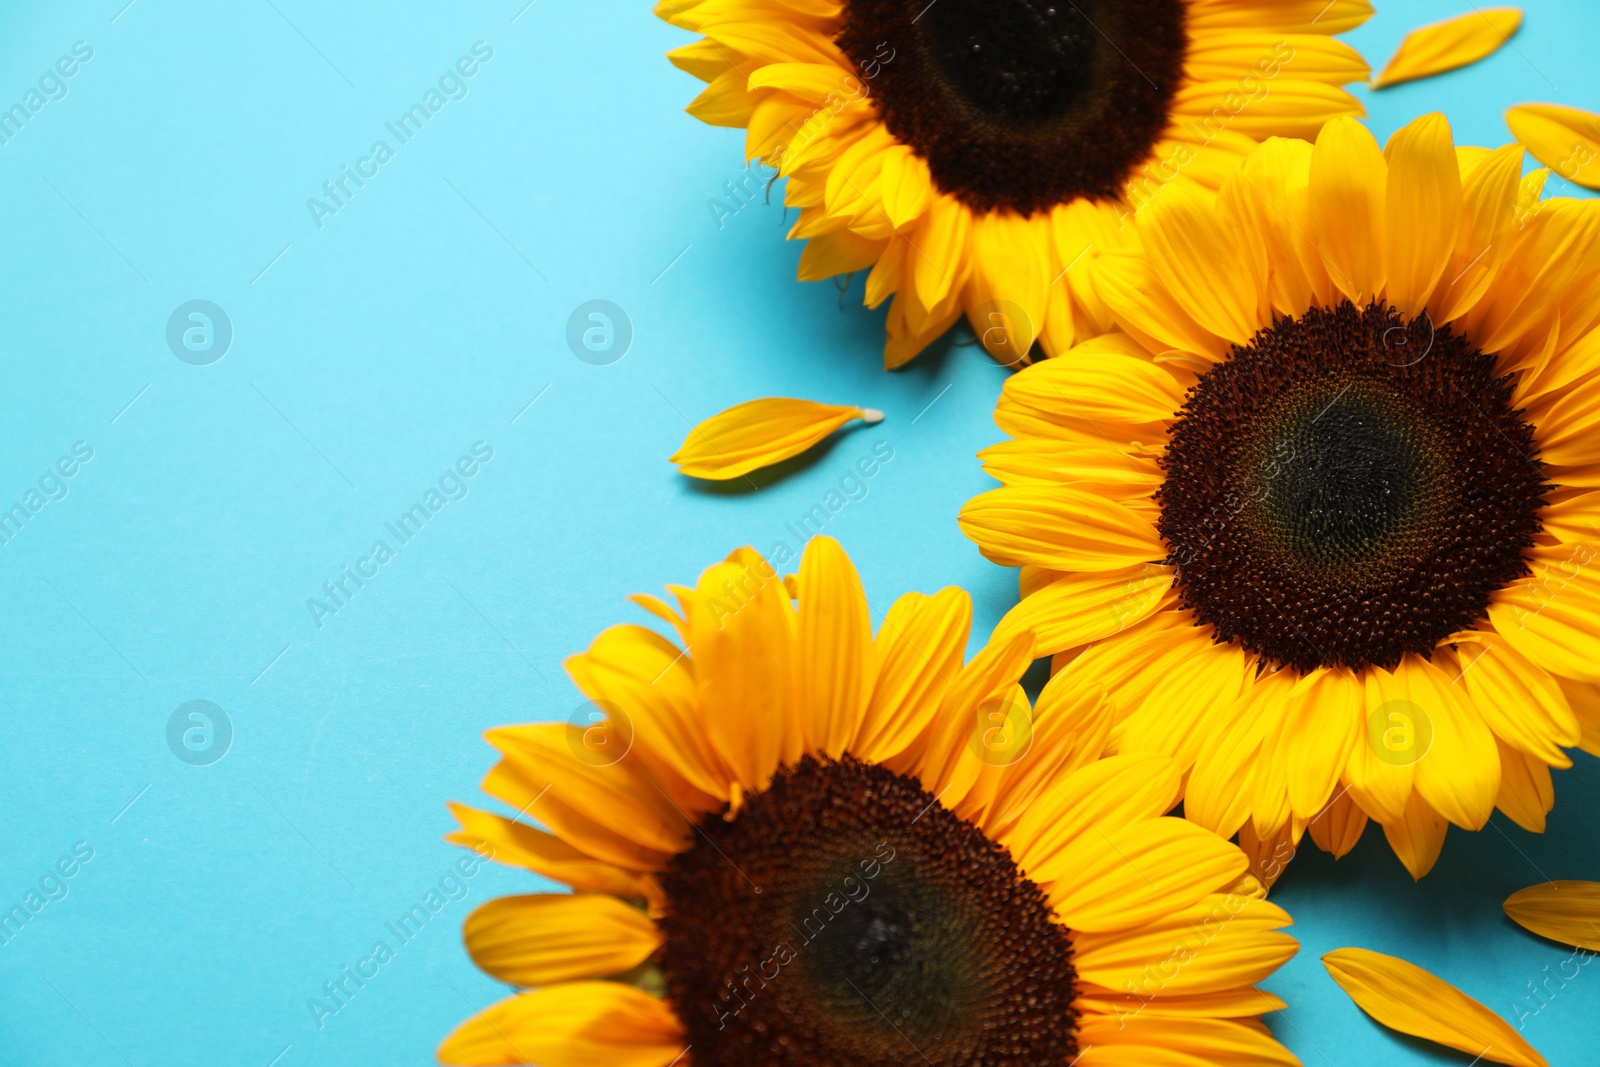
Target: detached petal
point(759, 433)
point(1442, 46)
point(1565, 139)
point(1404, 997)
point(1563, 911)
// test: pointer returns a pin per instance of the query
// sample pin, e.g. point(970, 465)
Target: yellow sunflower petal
point(836, 666)
point(573, 1024)
point(1222, 787)
point(759, 433)
point(612, 812)
point(1107, 795)
point(1208, 271)
point(1553, 616)
point(1526, 791)
point(1157, 1040)
point(1007, 291)
point(918, 648)
point(1404, 997)
point(539, 939)
point(1222, 942)
point(1061, 528)
point(1348, 180)
point(744, 628)
point(1456, 42)
point(1337, 827)
point(521, 845)
point(1565, 911)
point(1519, 700)
point(1074, 609)
point(1417, 836)
point(640, 678)
point(1565, 139)
point(1324, 721)
point(1380, 770)
point(1459, 775)
point(1422, 210)
point(1129, 876)
point(1108, 380)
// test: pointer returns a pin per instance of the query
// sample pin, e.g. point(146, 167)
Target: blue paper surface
point(346, 363)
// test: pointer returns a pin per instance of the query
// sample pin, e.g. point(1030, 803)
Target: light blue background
point(368, 355)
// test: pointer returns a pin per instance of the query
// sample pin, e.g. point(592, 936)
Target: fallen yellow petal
point(1565, 139)
point(759, 433)
point(1404, 997)
point(1446, 45)
point(1565, 911)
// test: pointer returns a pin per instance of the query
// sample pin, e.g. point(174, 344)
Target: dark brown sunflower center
point(844, 918)
point(1022, 104)
point(1348, 488)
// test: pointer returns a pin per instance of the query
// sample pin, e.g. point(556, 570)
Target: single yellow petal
point(1380, 771)
point(1564, 911)
point(1527, 792)
point(837, 666)
point(1417, 836)
point(1404, 997)
point(759, 433)
point(1422, 209)
point(1459, 774)
point(1058, 527)
point(1348, 180)
point(1442, 46)
point(1565, 139)
point(1007, 290)
point(540, 938)
point(1074, 609)
point(572, 1024)
point(1324, 720)
point(1337, 827)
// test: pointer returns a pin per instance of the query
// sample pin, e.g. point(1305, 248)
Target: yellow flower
point(1322, 521)
point(793, 842)
point(973, 156)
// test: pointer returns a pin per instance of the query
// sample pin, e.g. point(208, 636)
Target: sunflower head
point(1323, 514)
point(794, 842)
point(974, 155)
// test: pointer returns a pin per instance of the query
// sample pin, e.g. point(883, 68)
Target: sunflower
point(972, 154)
point(1323, 519)
point(794, 843)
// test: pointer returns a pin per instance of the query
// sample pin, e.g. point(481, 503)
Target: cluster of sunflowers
point(1303, 481)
